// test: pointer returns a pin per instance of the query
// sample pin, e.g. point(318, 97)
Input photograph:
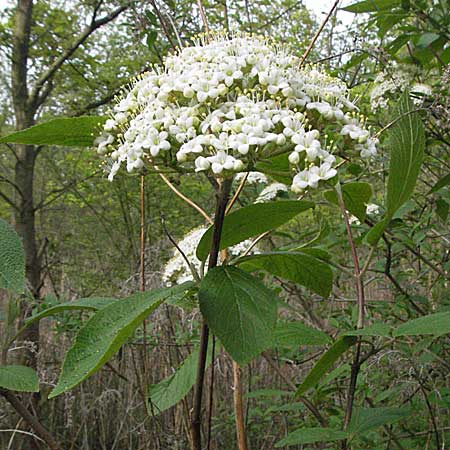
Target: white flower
point(271, 192)
point(228, 102)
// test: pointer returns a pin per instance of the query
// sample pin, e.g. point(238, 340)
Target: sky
point(320, 7)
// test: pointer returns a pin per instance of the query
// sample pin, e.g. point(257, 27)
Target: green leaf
point(442, 182)
point(151, 38)
point(19, 378)
point(436, 324)
point(67, 131)
point(278, 167)
point(372, 6)
point(295, 334)
point(91, 303)
point(311, 435)
point(356, 196)
point(104, 333)
point(12, 259)
point(406, 145)
point(376, 329)
point(442, 209)
point(251, 221)
point(366, 419)
point(427, 39)
point(240, 311)
point(325, 362)
point(299, 267)
point(175, 387)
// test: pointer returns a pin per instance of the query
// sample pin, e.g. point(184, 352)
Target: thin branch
point(186, 199)
point(30, 419)
point(203, 15)
point(48, 75)
point(237, 193)
point(316, 36)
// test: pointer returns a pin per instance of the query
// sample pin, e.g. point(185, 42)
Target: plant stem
point(222, 195)
point(238, 408)
point(360, 324)
point(30, 419)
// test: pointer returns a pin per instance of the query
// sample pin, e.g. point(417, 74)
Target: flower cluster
point(177, 271)
point(224, 104)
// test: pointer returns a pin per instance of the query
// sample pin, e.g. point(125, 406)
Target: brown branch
point(30, 419)
point(238, 407)
point(316, 36)
point(47, 76)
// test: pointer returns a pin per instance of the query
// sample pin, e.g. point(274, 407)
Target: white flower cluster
point(371, 209)
point(271, 192)
point(177, 271)
point(225, 103)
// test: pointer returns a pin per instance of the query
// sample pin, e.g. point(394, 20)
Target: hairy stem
point(360, 324)
point(222, 195)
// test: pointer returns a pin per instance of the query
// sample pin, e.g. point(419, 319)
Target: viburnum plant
point(237, 108)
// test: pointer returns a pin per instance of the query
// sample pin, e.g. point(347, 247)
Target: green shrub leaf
point(356, 196)
point(295, 334)
point(436, 324)
point(301, 267)
point(67, 131)
point(240, 311)
point(251, 221)
point(325, 363)
point(104, 333)
point(12, 259)
point(175, 387)
point(372, 6)
point(366, 419)
point(311, 435)
point(19, 378)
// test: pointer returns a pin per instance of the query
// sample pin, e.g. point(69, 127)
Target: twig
point(203, 16)
point(30, 419)
point(186, 199)
point(316, 36)
point(237, 193)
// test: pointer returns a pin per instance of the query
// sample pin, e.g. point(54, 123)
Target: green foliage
point(310, 436)
point(301, 266)
point(376, 329)
point(251, 221)
point(69, 132)
point(104, 333)
point(175, 387)
point(240, 311)
point(295, 334)
point(435, 324)
point(372, 6)
point(325, 362)
point(12, 259)
point(356, 196)
point(406, 145)
point(19, 378)
point(366, 419)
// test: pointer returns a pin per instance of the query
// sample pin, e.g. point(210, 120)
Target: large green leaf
point(311, 435)
point(301, 267)
point(12, 259)
point(325, 363)
point(436, 324)
point(251, 221)
point(366, 419)
point(19, 378)
point(175, 387)
point(104, 333)
point(294, 334)
point(240, 311)
point(67, 131)
point(442, 182)
point(376, 329)
point(406, 144)
point(372, 6)
point(91, 303)
point(356, 196)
